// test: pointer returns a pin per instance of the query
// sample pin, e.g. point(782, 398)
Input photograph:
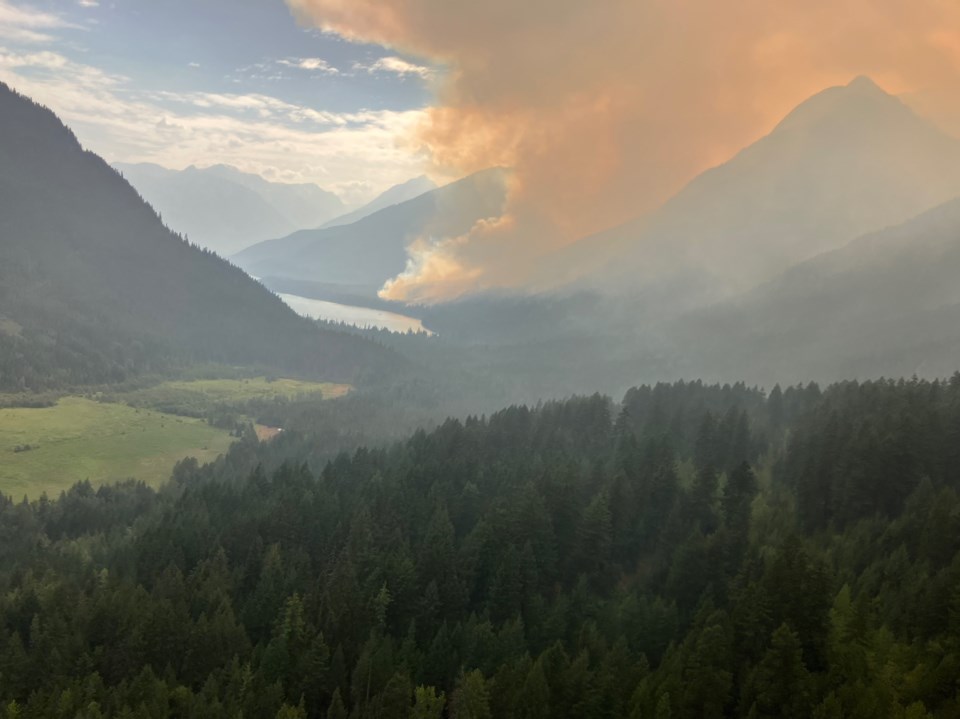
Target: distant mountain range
point(359, 257)
point(846, 162)
point(94, 289)
point(393, 196)
point(224, 210)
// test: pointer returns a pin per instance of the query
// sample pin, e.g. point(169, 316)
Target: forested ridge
point(693, 551)
point(95, 290)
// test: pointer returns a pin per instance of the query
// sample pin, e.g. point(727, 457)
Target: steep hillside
point(94, 288)
point(885, 304)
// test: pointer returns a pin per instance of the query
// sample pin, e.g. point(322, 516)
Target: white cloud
point(22, 23)
point(311, 64)
point(88, 3)
point(263, 71)
point(45, 60)
point(356, 154)
point(396, 66)
point(266, 107)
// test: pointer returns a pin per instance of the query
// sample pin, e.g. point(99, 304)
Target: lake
point(356, 316)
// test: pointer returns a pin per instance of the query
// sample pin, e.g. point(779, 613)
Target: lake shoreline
point(361, 317)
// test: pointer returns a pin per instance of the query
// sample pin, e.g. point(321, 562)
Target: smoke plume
point(605, 108)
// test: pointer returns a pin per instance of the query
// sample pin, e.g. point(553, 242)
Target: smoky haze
point(604, 116)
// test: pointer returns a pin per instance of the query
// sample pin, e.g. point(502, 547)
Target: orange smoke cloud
point(605, 108)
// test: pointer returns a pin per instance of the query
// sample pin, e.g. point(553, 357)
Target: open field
point(80, 439)
point(241, 390)
point(139, 434)
point(198, 397)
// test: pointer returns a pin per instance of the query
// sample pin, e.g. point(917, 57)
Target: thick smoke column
point(604, 108)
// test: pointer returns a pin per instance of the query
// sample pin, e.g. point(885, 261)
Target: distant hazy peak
point(225, 208)
point(864, 83)
point(231, 172)
point(151, 168)
point(862, 99)
point(490, 174)
point(408, 190)
point(418, 181)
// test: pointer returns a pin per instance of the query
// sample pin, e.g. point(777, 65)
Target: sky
point(602, 108)
point(201, 82)
point(606, 108)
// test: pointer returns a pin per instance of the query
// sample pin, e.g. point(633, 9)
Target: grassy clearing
point(242, 390)
point(138, 434)
point(199, 397)
point(80, 439)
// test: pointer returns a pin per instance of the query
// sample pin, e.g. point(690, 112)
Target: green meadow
point(81, 439)
point(198, 397)
point(239, 390)
point(137, 434)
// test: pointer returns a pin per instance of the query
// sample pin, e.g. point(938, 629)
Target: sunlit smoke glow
point(606, 109)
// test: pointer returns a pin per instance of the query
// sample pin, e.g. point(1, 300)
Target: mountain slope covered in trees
point(697, 551)
point(94, 289)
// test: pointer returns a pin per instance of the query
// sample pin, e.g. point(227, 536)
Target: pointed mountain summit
point(848, 161)
point(860, 103)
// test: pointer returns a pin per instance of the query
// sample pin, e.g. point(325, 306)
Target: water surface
point(356, 316)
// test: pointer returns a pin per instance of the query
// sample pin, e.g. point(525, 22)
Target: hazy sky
point(183, 82)
point(603, 108)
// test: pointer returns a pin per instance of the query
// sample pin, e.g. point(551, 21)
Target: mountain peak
point(856, 104)
point(864, 83)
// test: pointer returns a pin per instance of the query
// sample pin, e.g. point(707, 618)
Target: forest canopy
point(693, 551)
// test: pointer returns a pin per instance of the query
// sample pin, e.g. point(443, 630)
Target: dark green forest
point(692, 551)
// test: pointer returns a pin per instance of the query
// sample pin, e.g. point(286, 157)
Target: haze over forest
point(380, 359)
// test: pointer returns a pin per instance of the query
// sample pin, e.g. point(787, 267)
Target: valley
point(456, 360)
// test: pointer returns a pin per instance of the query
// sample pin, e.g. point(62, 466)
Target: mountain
point(886, 304)
point(848, 161)
point(302, 204)
point(94, 288)
point(361, 256)
point(224, 209)
point(394, 196)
